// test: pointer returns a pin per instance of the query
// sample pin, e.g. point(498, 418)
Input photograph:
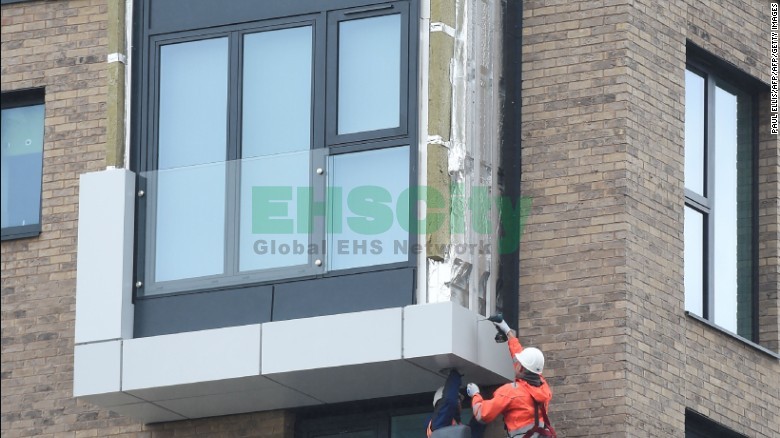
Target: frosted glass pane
point(694, 261)
point(22, 163)
point(369, 74)
point(364, 191)
point(694, 132)
point(271, 189)
point(193, 103)
point(277, 91)
point(190, 222)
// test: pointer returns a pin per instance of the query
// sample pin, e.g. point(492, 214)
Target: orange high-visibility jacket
point(515, 400)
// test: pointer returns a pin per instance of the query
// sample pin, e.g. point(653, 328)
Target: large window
point(274, 143)
point(720, 140)
point(22, 162)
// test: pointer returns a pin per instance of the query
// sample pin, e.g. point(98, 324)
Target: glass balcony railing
point(277, 216)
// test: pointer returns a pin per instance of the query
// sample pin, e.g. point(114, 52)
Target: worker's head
point(530, 359)
point(438, 395)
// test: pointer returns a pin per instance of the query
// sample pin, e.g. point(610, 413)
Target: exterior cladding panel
point(602, 261)
point(601, 268)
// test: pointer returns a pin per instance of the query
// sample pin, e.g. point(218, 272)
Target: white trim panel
point(193, 357)
point(332, 341)
point(104, 309)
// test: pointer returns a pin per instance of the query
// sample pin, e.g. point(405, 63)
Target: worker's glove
point(472, 389)
point(498, 321)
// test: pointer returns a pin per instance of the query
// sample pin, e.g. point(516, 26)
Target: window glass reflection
point(277, 99)
point(190, 225)
point(733, 212)
point(694, 261)
point(409, 426)
point(272, 200)
point(193, 103)
point(694, 132)
point(369, 74)
point(190, 195)
point(363, 200)
point(22, 163)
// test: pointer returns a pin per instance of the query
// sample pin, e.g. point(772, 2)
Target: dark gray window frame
point(715, 70)
point(17, 99)
point(333, 138)
point(157, 22)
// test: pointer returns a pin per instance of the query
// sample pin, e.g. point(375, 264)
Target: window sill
point(733, 335)
point(22, 232)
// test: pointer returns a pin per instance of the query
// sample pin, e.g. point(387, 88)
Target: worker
point(446, 403)
point(446, 410)
point(523, 401)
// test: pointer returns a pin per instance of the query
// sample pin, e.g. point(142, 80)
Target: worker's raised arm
point(515, 347)
point(487, 410)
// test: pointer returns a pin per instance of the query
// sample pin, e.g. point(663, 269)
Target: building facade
point(210, 214)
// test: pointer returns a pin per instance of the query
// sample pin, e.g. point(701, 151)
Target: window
point(274, 144)
point(699, 426)
point(720, 188)
point(378, 424)
point(22, 163)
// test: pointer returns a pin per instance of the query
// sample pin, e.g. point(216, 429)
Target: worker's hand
point(503, 326)
point(472, 389)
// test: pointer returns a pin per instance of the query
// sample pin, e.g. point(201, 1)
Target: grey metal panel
point(349, 293)
point(171, 16)
point(200, 311)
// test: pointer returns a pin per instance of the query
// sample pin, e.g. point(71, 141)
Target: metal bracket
point(117, 57)
point(441, 27)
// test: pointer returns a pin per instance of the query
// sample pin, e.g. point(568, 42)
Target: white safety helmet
point(438, 395)
point(531, 359)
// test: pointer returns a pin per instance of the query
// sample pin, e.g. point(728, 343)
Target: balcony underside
point(287, 364)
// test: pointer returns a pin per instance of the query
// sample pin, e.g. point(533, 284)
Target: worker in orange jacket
point(523, 401)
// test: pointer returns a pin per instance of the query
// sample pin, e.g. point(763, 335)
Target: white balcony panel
point(195, 357)
point(332, 341)
point(446, 335)
point(97, 372)
point(104, 308)
point(287, 364)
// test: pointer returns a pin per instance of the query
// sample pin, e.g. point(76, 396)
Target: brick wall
point(573, 253)
point(62, 46)
point(768, 231)
point(602, 257)
point(719, 376)
point(655, 206)
point(59, 46)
